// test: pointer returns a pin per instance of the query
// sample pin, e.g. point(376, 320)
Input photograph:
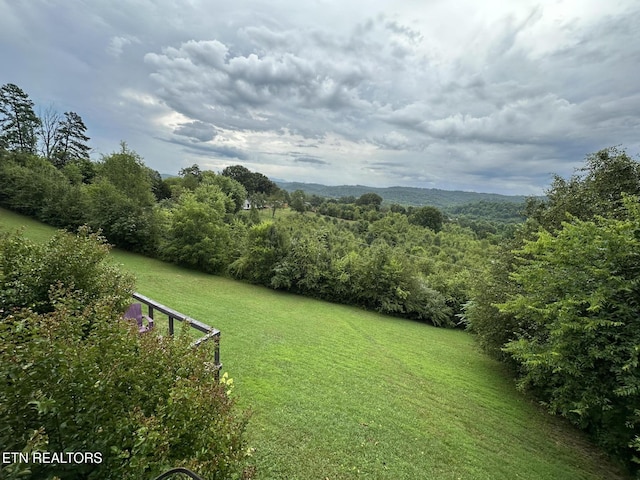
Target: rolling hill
point(403, 195)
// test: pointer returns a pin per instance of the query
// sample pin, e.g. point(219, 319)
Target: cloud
point(445, 94)
point(208, 149)
point(394, 140)
point(271, 85)
point(309, 160)
point(117, 44)
point(198, 131)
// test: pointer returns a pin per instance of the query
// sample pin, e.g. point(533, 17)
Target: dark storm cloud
point(203, 80)
point(199, 131)
point(210, 150)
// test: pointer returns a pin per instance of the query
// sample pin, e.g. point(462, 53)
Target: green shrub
point(28, 271)
point(579, 293)
point(198, 235)
point(76, 377)
point(266, 246)
point(492, 285)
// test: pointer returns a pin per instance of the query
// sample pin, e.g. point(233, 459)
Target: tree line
point(60, 138)
point(411, 264)
point(390, 263)
point(560, 301)
point(407, 196)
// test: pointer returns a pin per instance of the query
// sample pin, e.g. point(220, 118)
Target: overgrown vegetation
point(78, 378)
point(562, 304)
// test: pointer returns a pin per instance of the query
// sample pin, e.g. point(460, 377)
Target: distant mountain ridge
point(403, 195)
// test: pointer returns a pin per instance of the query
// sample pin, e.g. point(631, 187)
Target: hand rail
point(178, 470)
point(210, 332)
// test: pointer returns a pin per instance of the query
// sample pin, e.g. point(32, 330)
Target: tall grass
point(340, 393)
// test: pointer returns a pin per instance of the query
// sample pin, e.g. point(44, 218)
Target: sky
point(492, 96)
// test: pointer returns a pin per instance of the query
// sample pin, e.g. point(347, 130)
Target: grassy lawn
point(340, 393)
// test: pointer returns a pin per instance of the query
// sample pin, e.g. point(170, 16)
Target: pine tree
point(18, 123)
point(70, 140)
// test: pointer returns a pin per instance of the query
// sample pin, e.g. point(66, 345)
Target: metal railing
point(172, 315)
point(178, 470)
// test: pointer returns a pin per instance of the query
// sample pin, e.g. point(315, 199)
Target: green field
point(340, 393)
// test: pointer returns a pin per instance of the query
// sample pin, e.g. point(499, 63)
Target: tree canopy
point(578, 294)
point(429, 217)
point(253, 182)
point(595, 189)
point(370, 200)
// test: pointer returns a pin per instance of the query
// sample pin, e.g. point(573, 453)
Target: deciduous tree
point(298, 201)
point(266, 246)
point(254, 182)
point(277, 200)
point(596, 189)
point(48, 130)
point(233, 189)
point(371, 199)
point(121, 201)
point(198, 236)
point(428, 217)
